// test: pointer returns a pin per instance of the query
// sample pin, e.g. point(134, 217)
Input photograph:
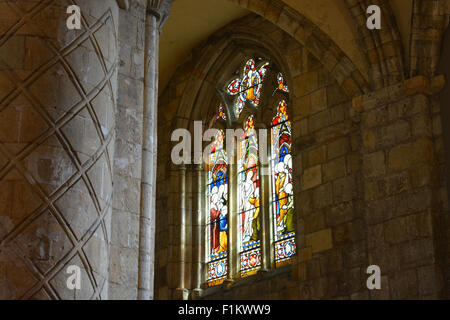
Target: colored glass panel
point(248, 198)
point(281, 84)
point(248, 87)
point(233, 87)
point(282, 186)
point(217, 220)
point(221, 113)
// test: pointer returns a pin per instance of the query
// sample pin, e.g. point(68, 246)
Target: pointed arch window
point(248, 211)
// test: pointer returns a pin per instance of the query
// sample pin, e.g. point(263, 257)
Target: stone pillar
point(233, 250)
point(198, 237)
point(181, 292)
point(57, 104)
point(399, 166)
point(157, 13)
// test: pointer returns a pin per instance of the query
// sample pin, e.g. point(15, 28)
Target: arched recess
point(191, 95)
point(426, 35)
point(313, 38)
point(383, 48)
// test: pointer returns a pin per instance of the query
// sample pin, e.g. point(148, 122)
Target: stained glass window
point(283, 195)
point(281, 84)
point(221, 113)
point(248, 87)
point(217, 219)
point(249, 218)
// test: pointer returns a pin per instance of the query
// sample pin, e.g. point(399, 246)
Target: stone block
point(407, 155)
point(416, 85)
point(344, 189)
point(338, 148)
point(403, 285)
point(316, 156)
point(312, 177)
point(318, 100)
point(320, 240)
point(323, 196)
point(302, 107)
point(429, 281)
point(320, 120)
point(314, 222)
point(374, 164)
point(334, 169)
point(305, 83)
point(304, 254)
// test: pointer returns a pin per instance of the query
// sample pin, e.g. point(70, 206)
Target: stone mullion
point(264, 194)
point(172, 218)
point(264, 116)
point(233, 227)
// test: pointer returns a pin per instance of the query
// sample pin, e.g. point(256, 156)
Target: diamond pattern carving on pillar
point(57, 105)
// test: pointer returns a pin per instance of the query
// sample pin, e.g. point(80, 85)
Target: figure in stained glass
point(221, 113)
point(218, 211)
point(281, 84)
point(248, 87)
point(283, 204)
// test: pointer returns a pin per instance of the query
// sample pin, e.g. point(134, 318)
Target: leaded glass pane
point(282, 186)
point(217, 220)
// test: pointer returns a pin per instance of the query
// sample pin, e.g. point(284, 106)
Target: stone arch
point(314, 39)
point(224, 50)
point(429, 22)
point(188, 95)
point(383, 48)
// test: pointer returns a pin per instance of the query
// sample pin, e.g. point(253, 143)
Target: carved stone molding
point(160, 9)
point(123, 4)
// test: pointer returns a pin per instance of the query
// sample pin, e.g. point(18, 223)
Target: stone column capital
point(199, 167)
point(160, 9)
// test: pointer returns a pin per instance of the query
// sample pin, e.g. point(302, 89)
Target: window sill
point(261, 275)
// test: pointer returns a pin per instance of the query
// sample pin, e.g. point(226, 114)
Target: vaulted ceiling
point(192, 21)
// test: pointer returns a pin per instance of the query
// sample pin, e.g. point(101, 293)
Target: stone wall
point(404, 190)
point(369, 187)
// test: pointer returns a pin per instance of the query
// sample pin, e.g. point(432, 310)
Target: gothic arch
point(191, 94)
point(383, 49)
point(426, 35)
point(317, 43)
